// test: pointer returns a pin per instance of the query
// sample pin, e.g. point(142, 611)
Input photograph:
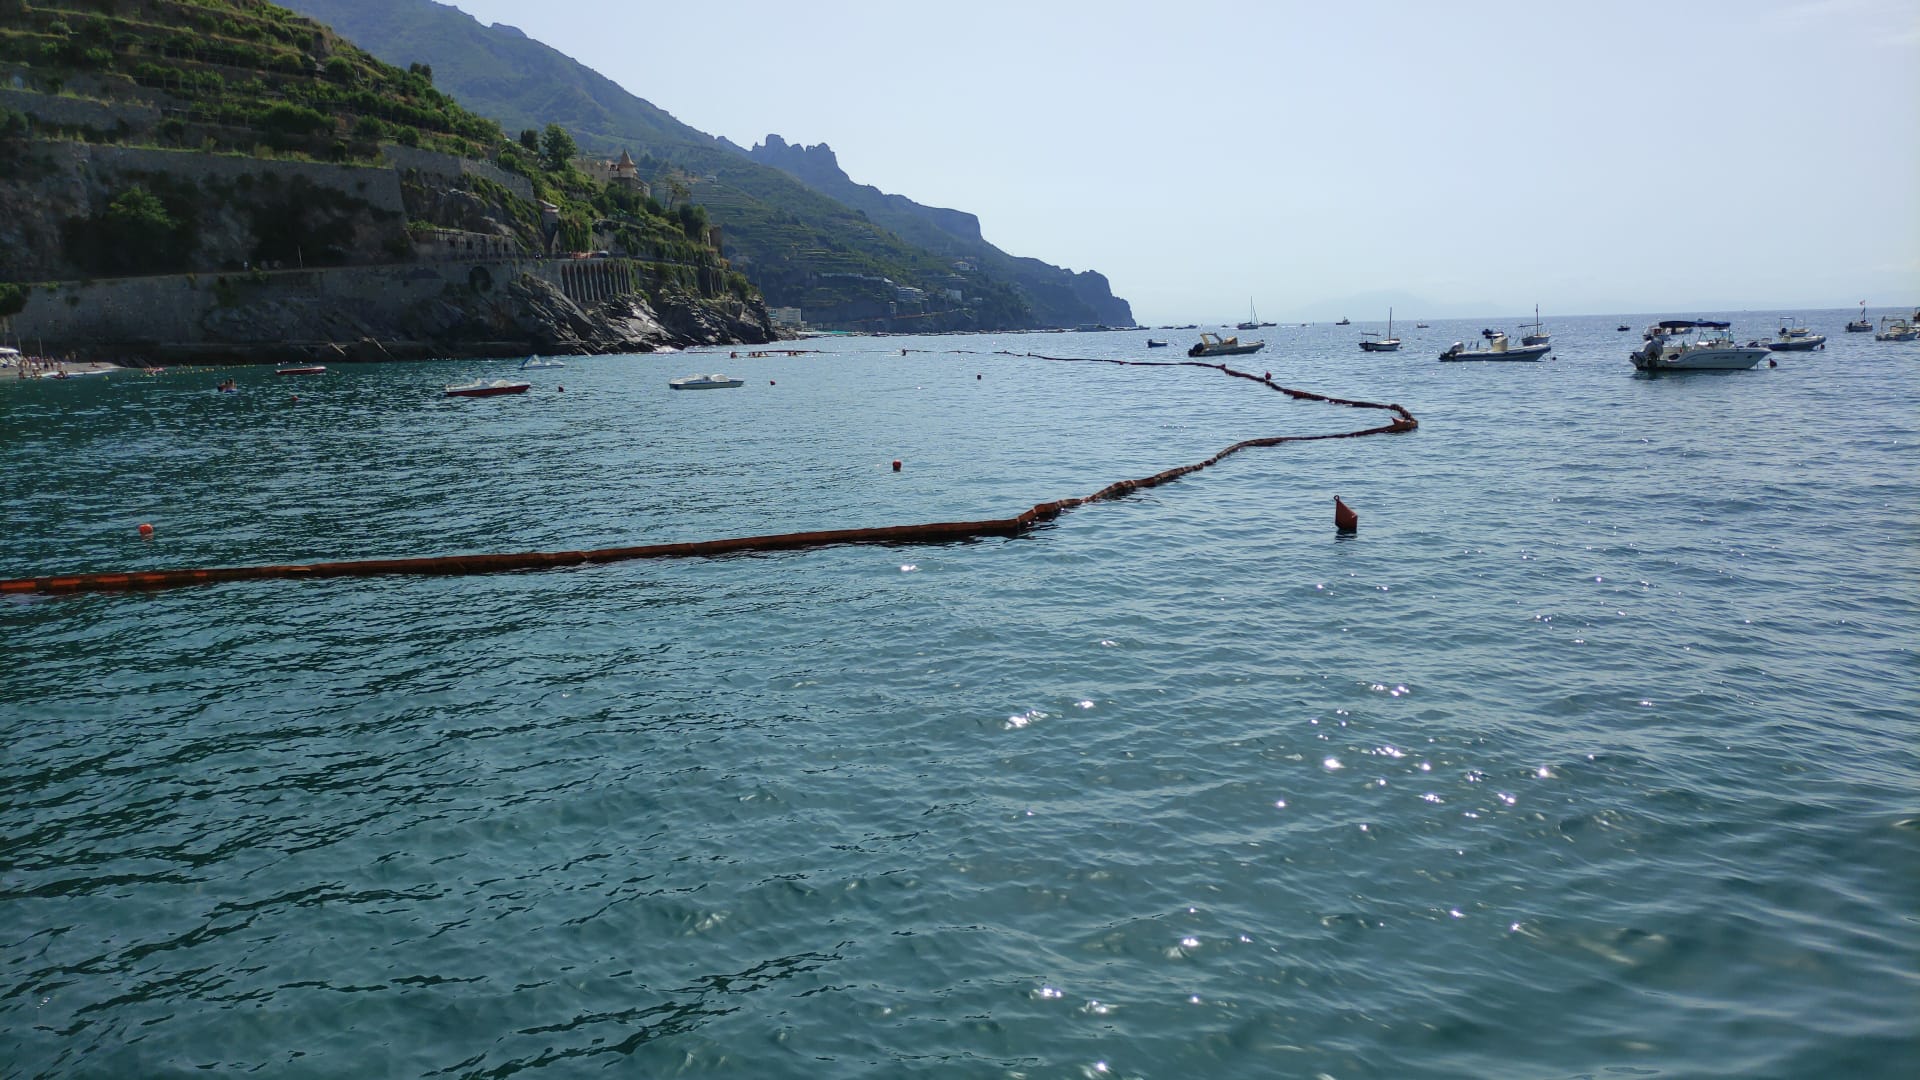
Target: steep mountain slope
point(869, 264)
point(944, 232)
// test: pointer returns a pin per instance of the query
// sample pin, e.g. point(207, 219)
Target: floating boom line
point(931, 533)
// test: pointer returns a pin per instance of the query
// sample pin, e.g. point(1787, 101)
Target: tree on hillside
point(135, 234)
point(557, 148)
point(530, 139)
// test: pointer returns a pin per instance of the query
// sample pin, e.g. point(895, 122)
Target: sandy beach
point(37, 367)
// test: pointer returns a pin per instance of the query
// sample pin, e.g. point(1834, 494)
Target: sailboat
point(1253, 318)
point(1372, 342)
point(1539, 335)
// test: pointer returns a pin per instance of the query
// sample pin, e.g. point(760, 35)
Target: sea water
point(1592, 753)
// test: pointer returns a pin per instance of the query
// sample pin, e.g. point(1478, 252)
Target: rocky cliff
point(1059, 297)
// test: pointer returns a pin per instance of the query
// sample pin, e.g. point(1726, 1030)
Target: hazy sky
point(1323, 159)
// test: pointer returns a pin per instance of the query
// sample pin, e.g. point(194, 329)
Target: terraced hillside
point(148, 136)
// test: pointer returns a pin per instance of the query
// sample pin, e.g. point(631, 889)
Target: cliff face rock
point(1059, 296)
point(227, 211)
point(819, 168)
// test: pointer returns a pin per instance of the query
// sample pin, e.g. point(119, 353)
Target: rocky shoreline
point(286, 318)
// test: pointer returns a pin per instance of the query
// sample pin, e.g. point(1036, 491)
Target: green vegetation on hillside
point(802, 247)
point(248, 77)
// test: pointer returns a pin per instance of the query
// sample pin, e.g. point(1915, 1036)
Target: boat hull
point(1226, 350)
point(704, 384)
point(1389, 345)
point(315, 369)
point(1737, 358)
point(1798, 344)
point(488, 391)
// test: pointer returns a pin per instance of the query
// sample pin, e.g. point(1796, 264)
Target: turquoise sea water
point(1594, 753)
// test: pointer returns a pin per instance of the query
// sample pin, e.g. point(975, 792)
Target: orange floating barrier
point(930, 533)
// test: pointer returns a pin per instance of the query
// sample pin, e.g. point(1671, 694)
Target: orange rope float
point(933, 533)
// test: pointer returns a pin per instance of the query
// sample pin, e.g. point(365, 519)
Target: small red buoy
point(146, 531)
point(563, 390)
point(770, 382)
point(896, 464)
point(1344, 519)
point(1269, 376)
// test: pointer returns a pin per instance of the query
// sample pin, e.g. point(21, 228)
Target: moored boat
point(1372, 342)
point(305, 369)
point(1540, 336)
point(1894, 328)
point(703, 382)
point(483, 388)
point(1156, 343)
point(1498, 347)
point(1215, 345)
point(1795, 337)
point(532, 362)
point(1680, 345)
point(1861, 325)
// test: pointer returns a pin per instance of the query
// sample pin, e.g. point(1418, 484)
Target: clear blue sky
point(1449, 158)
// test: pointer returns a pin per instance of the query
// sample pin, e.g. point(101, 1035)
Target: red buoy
point(896, 464)
point(146, 531)
point(1344, 519)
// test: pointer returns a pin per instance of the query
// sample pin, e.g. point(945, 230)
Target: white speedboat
point(1372, 342)
point(1215, 345)
point(483, 388)
point(703, 382)
point(1498, 347)
point(532, 362)
point(1684, 345)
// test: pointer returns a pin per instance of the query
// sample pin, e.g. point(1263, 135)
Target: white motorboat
point(1685, 345)
point(1215, 345)
point(1498, 347)
point(483, 388)
point(533, 362)
point(1894, 328)
point(1372, 342)
point(703, 382)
